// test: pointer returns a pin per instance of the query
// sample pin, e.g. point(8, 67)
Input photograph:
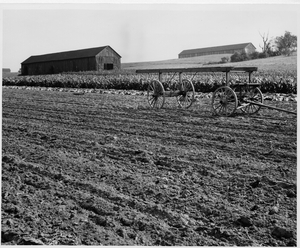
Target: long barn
point(231, 49)
point(91, 59)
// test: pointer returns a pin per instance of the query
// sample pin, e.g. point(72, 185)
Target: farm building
point(91, 59)
point(246, 47)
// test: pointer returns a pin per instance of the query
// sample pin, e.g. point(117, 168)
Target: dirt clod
point(291, 194)
point(244, 221)
point(30, 241)
point(274, 210)
point(255, 184)
point(281, 232)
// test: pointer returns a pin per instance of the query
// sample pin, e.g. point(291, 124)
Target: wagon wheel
point(253, 95)
point(187, 90)
point(156, 94)
point(224, 101)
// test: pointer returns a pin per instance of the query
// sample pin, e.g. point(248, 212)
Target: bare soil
point(104, 169)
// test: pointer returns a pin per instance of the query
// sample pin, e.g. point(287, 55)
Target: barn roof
point(216, 48)
point(75, 54)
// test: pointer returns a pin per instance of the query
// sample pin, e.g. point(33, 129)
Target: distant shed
point(91, 59)
point(6, 70)
point(231, 49)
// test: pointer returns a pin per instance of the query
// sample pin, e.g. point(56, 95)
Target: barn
point(231, 49)
point(91, 59)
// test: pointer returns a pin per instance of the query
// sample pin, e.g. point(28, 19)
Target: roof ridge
point(215, 47)
point(76, 50)
point(64, 55)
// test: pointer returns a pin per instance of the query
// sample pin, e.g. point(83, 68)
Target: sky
point(138, 32)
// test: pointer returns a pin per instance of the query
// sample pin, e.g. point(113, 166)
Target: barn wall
point(231, 51)
point(108, 56)
point(250, 49)
point(52, 67)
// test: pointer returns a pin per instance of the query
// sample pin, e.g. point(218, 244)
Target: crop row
point(272, 82)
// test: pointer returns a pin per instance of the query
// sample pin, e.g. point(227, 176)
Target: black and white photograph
point(152, 123)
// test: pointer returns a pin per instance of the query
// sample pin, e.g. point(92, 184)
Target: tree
point(286, 44)
point(239, 56)
point(254, 55)
point(224, 59)
point(266, 48)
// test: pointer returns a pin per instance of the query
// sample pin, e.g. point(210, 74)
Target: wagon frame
point(226, 100)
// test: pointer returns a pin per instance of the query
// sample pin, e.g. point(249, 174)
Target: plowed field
point(104, 169)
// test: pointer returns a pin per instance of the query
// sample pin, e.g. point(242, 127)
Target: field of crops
point(105, 169)
point(272, 82)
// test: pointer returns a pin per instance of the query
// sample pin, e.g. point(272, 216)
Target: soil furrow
point(106, 169)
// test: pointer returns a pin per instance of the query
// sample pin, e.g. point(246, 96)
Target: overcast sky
point(145, 32)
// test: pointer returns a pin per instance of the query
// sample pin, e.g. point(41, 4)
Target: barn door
point(25, 71)
point(108, 66)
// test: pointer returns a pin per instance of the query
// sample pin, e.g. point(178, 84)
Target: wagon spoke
point(187, 93)
point(155, 102)
point(226, 110)
point(254, 108)
point(222, 109)
point(152, 87)
point(151, 101)
point(187, 101)
point(249, 109)
point(218, 106)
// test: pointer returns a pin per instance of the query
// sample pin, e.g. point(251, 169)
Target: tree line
point(281, 45)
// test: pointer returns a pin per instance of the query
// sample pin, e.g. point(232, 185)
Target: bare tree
point(266, 48)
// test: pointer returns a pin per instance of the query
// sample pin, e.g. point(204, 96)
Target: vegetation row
point(272, 82)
